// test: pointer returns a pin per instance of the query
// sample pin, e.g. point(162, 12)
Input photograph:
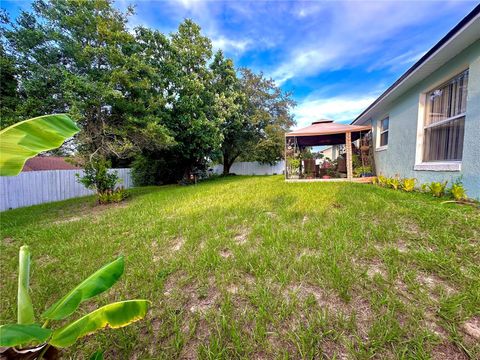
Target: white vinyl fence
point(38, 187)
point(252, 168)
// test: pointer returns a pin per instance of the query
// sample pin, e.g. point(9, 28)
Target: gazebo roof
point(327, 127)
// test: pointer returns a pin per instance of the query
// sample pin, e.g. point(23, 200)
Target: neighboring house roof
point(40, 163)
point(465, 33)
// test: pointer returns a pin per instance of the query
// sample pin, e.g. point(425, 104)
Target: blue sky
point(336, 57)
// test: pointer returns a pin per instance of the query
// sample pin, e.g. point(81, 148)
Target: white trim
point(382, 148)
point(439, 166)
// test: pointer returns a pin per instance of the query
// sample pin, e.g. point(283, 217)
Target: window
point(384, 132)
point(445, 120)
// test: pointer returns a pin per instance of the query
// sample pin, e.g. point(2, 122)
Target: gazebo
point(324, 132)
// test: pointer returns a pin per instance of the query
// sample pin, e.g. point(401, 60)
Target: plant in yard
point(43, 341)
point(112, 196)
point(362, 170)
point(382, 180)
point(437, 189)
point(28, 138)
point(293, 165)
point(408, 184)
point(394, 183)
point(458, 191)
point(97, 177)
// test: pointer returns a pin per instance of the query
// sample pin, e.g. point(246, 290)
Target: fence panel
point(252, 168)
point(38, 187)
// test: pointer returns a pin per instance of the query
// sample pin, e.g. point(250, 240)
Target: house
point(40, 163)
point(427, 124)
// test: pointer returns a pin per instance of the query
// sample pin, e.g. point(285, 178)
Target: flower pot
point(326, 177)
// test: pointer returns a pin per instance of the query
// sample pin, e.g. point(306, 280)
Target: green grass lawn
point(256, 268)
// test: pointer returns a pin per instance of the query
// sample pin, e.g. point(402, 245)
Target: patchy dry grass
point(255, 268)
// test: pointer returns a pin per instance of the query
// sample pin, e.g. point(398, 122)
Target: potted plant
point(293, 168)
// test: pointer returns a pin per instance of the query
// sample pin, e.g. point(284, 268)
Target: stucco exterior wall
point(405, 113)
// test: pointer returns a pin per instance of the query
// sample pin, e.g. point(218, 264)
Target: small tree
point(97, 178)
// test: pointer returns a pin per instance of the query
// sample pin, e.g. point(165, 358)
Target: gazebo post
point(348, 146)
point(285, 156)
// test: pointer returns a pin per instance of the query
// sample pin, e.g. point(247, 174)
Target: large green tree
point(256, 131)
point(10, 99)
point(182, 61)
point(79, 57)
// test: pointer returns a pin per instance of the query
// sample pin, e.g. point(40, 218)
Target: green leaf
point(21, 334)
point(24, 303)
point(97, 355)
point(95, 284)
point(115, 315)
point(26, 139)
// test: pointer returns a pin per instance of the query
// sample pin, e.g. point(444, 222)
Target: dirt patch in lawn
point(198, 336)
point(69, 220)
point(400, 245)
point(225, 253)
point(471, 327)
point(332, 349)
point(330, 301)
point(433, 282)
point(178, 243)
point(448, 350)
point(308, 253)
point(8, 240)
point(241, 236)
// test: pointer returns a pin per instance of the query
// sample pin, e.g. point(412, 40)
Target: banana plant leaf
point(98, 355)
point(21, 334)
point(24, 303)
point(115, 315)
point(26, 139)
point(95, 284)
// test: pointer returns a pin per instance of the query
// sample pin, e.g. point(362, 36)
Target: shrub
point(437, 189)
point(382, 180)
point(294, 166)
point(150, 171)
point(145, 171)
point(97, 177)
point(458, 191)
point(394, 183)
point(360, 170)
point(112, 196)
point(408, 184)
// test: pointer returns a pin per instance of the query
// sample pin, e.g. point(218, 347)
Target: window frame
point(381, 131)
point(440, 165)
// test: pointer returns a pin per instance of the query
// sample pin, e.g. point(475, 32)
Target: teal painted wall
point(399, 156)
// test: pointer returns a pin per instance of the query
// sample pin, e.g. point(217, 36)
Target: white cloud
point(227, 44)
point(394, 63)
point(344, 34)
point(339, 108)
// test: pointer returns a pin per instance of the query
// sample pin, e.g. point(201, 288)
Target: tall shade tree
point(256, 131)
point(181, 60)
point(79, 57)
point(194, 126)
point(8, 89)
